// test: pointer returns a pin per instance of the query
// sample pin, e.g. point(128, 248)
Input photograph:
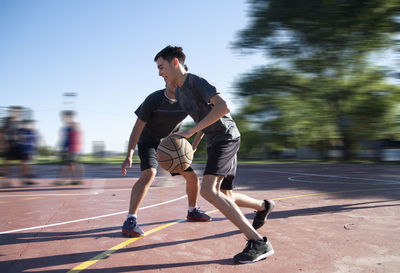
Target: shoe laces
point(249, 245)
point(132, 220)
point(197, 210)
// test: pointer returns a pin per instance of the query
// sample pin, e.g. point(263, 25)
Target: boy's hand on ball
point(185, 134)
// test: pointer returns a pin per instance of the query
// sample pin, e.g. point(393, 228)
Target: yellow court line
point(31, 198)
point(332, 192)
point(108, 252)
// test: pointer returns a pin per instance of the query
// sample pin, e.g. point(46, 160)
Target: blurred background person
point(11, 140)
point(27, 142)
point(71, 171)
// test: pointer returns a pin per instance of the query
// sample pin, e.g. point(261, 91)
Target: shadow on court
point(23, 265)
point(341, 180)
point(326, 209)
point(336, 194)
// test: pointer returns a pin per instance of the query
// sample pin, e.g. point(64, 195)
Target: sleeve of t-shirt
point(205, 90)
point(146, 109)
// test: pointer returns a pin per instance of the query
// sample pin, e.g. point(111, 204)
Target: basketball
point(174, 154)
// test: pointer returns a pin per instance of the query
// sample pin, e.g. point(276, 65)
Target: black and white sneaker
point(255, 251)
point(261, 216)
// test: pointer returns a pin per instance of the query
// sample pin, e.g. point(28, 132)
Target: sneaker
point(197, 215)
point(59, 183)
point(261, 216)
point(255, 251)
point(28, 183)
point(131, 228)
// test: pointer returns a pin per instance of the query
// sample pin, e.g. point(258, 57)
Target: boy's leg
point(192, 191)
point(210, 191)
point(77, 171)
point(148, 167)
point(130, 228)
point(256, 249)
point(140, 188)
point(244, 201)
point(25, 172)
point(263, 207)
point(192, 187)
point(6, 173)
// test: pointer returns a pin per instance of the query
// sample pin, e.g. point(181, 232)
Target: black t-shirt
point(194, 97)
point(162, 117)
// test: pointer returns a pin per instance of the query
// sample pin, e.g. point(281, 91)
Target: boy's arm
point(218, 111)
point(196, 140)
point(133, 140)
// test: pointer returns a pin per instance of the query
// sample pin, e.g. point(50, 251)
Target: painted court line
point(333, 192)
point(334, 176)
point(48, 194)
point(91, 218)
point(382, 182)
point(110, 251)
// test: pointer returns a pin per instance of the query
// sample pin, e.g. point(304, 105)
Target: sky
point(103, 51)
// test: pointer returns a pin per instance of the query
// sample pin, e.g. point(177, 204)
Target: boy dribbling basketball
point(211, 115)
point(158, 116)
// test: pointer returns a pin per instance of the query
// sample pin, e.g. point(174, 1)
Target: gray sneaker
point(255, 251)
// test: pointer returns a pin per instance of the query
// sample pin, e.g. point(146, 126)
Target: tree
point(322, 88)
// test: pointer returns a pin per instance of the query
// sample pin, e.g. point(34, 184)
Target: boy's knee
point(208, 193)
point(148, 175)
point(227, 193)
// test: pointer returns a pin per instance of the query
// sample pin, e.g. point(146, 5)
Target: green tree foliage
point(322, 89)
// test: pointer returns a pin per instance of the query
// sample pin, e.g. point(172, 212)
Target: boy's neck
point(181, 78)
point(170, 93)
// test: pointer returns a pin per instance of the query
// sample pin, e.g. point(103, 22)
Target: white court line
point(47, 194)
point(91, 218)
point(295, 179)
point(335, 176)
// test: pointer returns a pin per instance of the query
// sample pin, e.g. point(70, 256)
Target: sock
point(131, 215)
point(191, 208)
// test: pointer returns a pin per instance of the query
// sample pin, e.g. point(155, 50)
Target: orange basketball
point(174, 154)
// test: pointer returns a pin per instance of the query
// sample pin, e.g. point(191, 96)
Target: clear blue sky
point(104, 50)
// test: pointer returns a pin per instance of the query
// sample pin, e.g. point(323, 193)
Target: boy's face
point(166, 70)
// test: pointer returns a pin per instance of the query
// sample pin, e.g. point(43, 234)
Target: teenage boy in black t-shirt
point(157, 117)
point(211, 115)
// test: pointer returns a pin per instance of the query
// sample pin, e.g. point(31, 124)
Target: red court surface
point(328, 218)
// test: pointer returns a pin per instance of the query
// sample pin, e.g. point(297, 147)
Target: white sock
point(131, 215)
point(191, 208)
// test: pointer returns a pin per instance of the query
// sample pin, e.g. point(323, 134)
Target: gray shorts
point(222, 161)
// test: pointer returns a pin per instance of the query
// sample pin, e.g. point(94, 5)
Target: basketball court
point(328, 218)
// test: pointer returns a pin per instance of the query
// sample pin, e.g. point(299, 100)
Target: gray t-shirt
point(162, 117)
point(194, 98)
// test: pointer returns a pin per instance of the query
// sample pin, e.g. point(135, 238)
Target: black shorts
point(148, 159)
point(222, 161)
point(14, 153)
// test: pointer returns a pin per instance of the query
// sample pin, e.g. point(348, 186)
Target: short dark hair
point(171, 52)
